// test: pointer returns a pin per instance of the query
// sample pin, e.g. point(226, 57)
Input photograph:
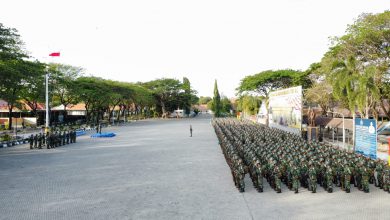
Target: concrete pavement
point(152, 169)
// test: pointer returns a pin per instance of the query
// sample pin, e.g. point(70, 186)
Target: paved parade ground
point(152, 169)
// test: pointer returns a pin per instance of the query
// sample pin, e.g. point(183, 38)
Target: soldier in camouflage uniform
point(312, 178)
point(240, 174)
point(259, 175)
point(371, 165)
point(31, 141)
point(329, 178)
point(278, 151)
point(40, 139)
point(295, 178)
point(365, 178)
point(386, 179)
point(35, 140)
point(346, 184)
point(48, 141)
point(67, 137)
point(379, 174)
point(59, 138)
point(276, 178)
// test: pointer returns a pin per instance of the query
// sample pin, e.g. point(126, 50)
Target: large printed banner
point(366, 137)
point(285, 109)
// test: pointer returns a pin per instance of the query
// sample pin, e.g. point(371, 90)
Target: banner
point(261, 116)
point(366, 137)
point(285, 109)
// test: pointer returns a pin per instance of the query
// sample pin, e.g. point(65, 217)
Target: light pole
point(343, 125)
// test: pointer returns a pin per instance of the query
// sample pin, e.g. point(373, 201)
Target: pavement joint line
point(246, 203)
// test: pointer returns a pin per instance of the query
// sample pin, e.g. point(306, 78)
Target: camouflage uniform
point(48, 141)
point(365, 178)
point(386, 179)
point(67, 137)
point(347, 178)
point(276, 176)
point(329, 179)
point(36, 141)
point(31, 141)
point(40, 139)
point(295, 178)
point(379, 175)
point(240, 174)
point(313, 179)
point(259, 175)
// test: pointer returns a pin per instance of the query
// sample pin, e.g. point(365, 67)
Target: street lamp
point(343, 125)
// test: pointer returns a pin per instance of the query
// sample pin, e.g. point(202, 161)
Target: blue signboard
point(366, 137)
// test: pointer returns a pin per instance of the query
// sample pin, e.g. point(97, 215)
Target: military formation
point(52, 140)
point(281, 157)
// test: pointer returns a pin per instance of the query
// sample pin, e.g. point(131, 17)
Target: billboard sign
point(366, 137)
point(285, 109)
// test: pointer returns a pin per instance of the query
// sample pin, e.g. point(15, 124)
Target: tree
point(11, 46)
point(216, 101)
point(226, 105)
point(118, 93)
point(187, 96)
point(204, 100)
point(95, 94)
point(166, 91)
point(33, 92)
point(62, 78)
point(15, 75)
point(358, 64)
point(265, 82)
point(321, 94)
point(142, 98)
point(249, 104)
point(13, 69)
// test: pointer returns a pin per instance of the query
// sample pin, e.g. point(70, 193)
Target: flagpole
point(47, 102)
point(47, 129)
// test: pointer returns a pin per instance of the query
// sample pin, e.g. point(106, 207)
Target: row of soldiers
point(281, 157)
point(52, 139)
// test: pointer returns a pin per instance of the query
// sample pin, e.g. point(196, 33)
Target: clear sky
point(202, 40)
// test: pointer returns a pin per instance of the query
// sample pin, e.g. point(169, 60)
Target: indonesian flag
point(55, 54)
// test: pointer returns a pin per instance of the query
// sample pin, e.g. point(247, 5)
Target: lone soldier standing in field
point(190, 130)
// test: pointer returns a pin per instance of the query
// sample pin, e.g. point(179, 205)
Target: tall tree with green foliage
point(187, 96)
point(357, 64)
point(95, 94)
point(267, 81)
point(33, 92)
point(11, 45)
point(204, 100)
point(166, 91)
point(216, 101)
point(14, 70)
point(62, 79)
point(226, 105)
point(142, 98)
point(248, 104)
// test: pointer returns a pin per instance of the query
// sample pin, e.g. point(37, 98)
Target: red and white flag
point(55, 54)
